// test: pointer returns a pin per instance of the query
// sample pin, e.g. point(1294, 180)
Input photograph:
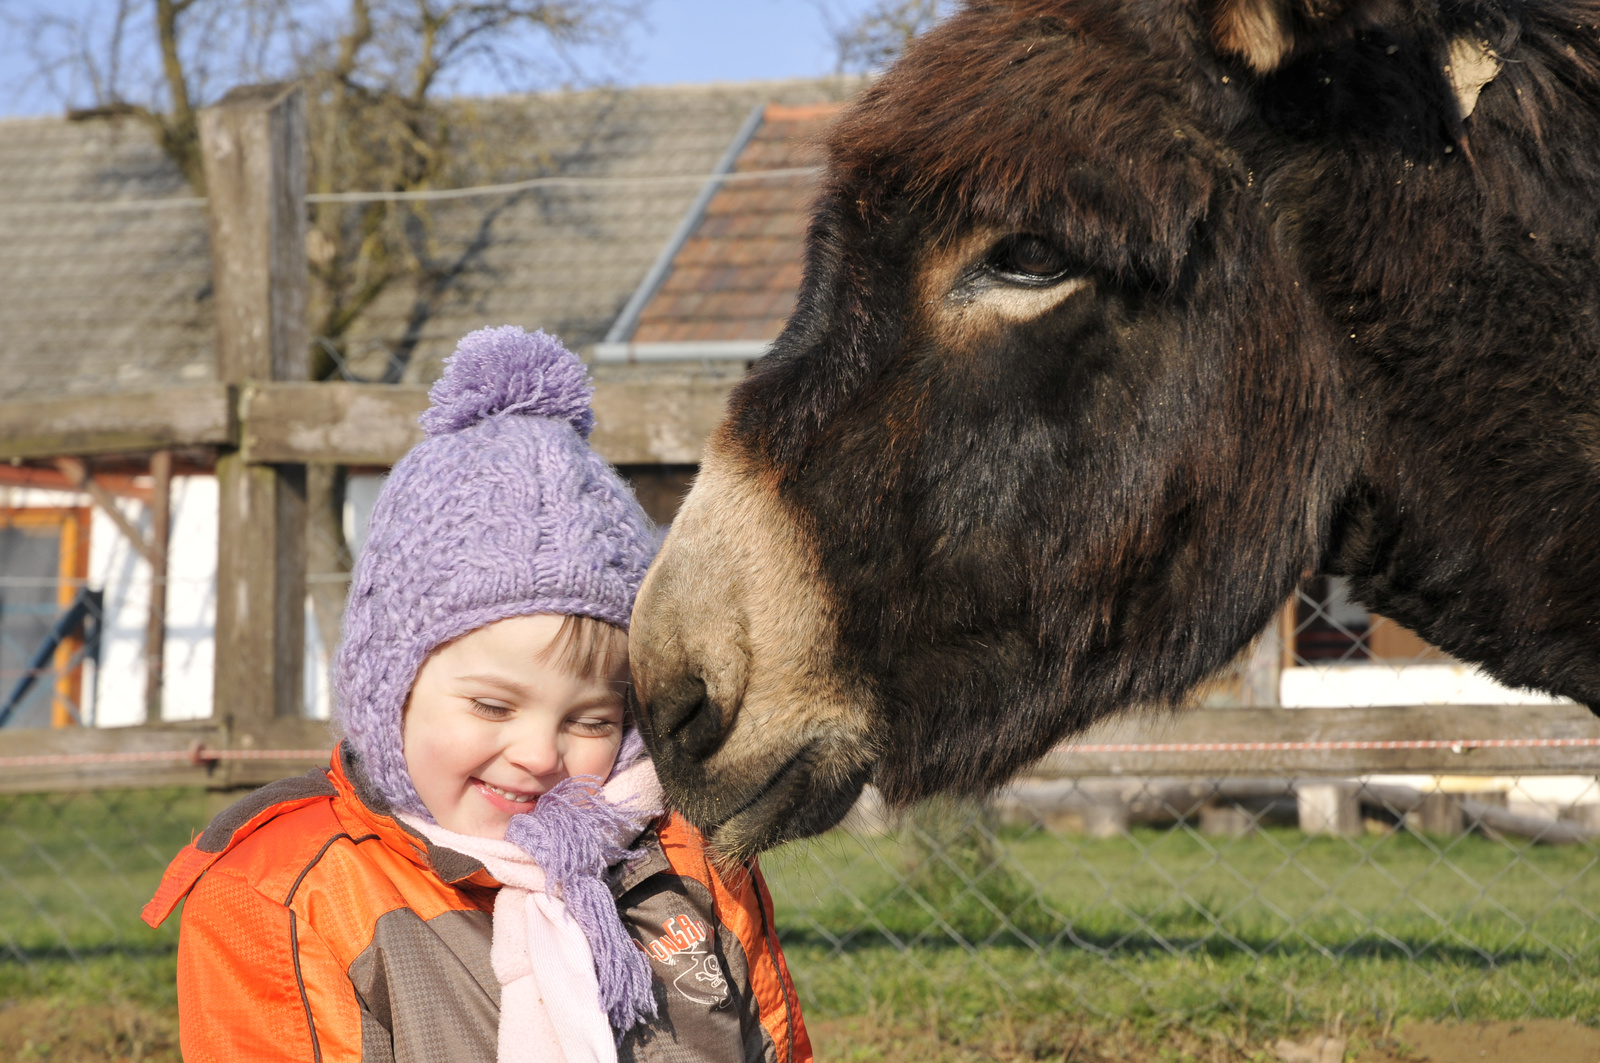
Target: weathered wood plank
point(155, 631)
point(658, 421)
point(1476, 722)
point(662, 419)
point(192, 415)
point(330, 423)
point(1464, 723)
point(261, 590)
point(253, 147)
point(648, 422)
point(281, 733)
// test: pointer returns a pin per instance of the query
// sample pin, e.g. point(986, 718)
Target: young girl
point(484, 871)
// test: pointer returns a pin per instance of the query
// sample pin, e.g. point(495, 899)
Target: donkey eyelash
point(1028, 260)
point(1017, 263)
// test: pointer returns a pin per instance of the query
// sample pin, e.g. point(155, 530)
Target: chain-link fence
point(1270, 902)
point(1266, 901)
point(75, 869)
point(1277, 900)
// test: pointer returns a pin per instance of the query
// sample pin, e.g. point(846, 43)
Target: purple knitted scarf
point(574, 834)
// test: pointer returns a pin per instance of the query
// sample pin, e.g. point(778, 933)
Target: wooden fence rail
point(1313, 741)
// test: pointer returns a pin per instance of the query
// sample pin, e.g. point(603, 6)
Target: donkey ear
point(1264, 33)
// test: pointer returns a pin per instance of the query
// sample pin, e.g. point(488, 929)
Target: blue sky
point(728, 40)
point(686, 41)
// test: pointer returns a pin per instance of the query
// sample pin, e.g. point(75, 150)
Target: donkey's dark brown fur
point(1120, 318)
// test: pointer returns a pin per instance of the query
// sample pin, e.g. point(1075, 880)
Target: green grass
point(1270, 932)
point(74, 871)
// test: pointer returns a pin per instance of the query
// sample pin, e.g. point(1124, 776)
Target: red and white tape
point(195, 754)
point(1455, 745)
point(201, 754)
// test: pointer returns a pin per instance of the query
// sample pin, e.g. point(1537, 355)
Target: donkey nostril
point(689, 720)
point(701, 733)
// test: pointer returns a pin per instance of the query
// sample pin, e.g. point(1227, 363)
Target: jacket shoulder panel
point(241, 818)
point(364, 810)
point(353, 883)
point(295, 806)
point(626, 874)
point(430, 987)
point(282, 851)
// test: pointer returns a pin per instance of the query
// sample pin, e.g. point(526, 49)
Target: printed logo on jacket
point(685, 942)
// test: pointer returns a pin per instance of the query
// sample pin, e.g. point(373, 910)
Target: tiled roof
point(736, 275)
point(95, 299)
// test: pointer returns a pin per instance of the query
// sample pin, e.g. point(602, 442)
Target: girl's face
point(494, 721)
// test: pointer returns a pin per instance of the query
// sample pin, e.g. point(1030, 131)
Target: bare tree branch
point(876, 37)
point(177, 130)
point(373, 71)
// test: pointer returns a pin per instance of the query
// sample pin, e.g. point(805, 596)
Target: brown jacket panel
point(427, 987)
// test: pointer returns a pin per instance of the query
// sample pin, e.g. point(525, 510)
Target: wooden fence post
point(155, 632)
point(1329, 808)
point(253, 144)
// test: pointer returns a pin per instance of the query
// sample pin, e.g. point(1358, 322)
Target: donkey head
point(1053, 430)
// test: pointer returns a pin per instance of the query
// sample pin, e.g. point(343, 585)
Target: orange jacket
point(320, 928)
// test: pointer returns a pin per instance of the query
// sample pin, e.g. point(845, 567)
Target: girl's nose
point(535, 751)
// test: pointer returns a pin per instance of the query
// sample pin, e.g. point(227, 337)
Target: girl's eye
point(593, 728)
point(489, 710)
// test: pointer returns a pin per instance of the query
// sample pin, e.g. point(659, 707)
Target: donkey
point(1119, 318)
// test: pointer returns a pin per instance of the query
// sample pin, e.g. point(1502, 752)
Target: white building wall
point(118, 568)
point(317, 696)
point(113, 693)
point(1375, 684)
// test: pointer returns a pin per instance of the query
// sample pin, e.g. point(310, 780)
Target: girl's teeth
point(520, 798)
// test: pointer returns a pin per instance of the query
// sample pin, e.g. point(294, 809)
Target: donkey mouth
point(793, 802)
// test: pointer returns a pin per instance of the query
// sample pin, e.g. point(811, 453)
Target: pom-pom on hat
point(502, 511)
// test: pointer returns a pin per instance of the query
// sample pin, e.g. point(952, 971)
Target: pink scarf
point(550, 993)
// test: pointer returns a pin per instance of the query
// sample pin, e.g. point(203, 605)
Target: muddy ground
point(125, 1033)
point(1531, 1041)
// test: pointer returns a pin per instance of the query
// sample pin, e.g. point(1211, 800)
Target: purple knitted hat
point(502, 511)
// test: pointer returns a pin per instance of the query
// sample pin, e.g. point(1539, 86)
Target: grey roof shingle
point(95, 299)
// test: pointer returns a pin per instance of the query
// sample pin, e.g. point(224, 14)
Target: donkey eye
point(1030, 260)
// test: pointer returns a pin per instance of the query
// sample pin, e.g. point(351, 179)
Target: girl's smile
point(510, 801)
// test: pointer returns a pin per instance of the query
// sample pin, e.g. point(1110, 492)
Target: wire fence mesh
point(1273, 902)
point(75, 869)
point(1269, 900)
